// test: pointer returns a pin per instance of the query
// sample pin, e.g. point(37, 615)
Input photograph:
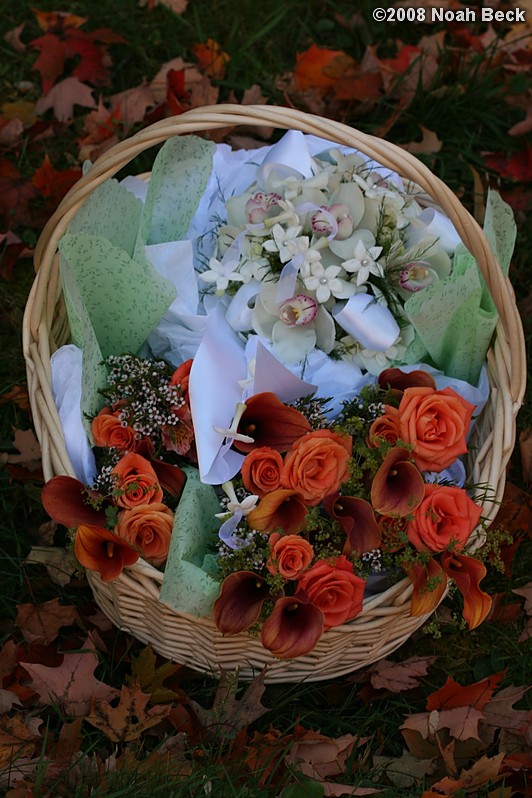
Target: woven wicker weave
point(132, 600)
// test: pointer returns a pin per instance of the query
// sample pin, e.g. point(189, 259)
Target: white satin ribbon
point(431, 222)
point(368, 322)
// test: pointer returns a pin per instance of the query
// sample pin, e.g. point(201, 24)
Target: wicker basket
point(132, 600)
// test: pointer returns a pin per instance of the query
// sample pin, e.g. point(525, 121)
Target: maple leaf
point(15, 194)
point(41, 623)
point(149, 678)
point(320, 757)
point(29, 450)
point(228, 714)
point(399, 676)
point(211, 58)
point(54, 183)
point(16, 739)
point(429, 143)
point(453, 695)
point(319, 67)
point(129, 719)
point(131, 105)
point(177, 6)
point(72, 684)
point(63, 97)
point(462, 723)
point(499, 712)
point(516, 167)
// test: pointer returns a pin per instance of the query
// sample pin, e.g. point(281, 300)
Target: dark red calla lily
point(467, 573)
point(398, 487)
point(396, 379)
point(293, 628)
point(280, 509)
point(66, 500)
point(240, 601)
point(101, 550)
point(357, 520)
point(270, 423)
point(170, 477)
point(426, 596)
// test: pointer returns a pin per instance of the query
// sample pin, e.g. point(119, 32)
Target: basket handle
point(386, 153)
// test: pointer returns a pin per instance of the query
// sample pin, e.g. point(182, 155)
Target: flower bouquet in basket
point(277, 364)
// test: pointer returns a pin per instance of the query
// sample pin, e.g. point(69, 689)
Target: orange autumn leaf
point(57, 20)
point(319, 67)
point(211, 58)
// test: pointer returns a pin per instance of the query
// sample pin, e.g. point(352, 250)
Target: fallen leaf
point(12, 37)
point(525, 450)
point(404, 771)
point(15, 194)
point(12, 249)
point(516, 167)
point(131, 105)
point(72, 684)
point(16, 740)
point(63, 97)
point(212, 60)
point(41, 623)
point(399, 676)
point(429, 143)
point(453, 695)
point(129, 719)
point(177, 6)
point(54, 183)
point(18, 394)
point(56, 21)
point(7, 701)
point(149, 678)
point(526, 592)
point(229, 714)
point(319, 67)
point(320, 757)
point(462, 723)
point(29, 450)
point(499, 712)
point(23, 110)
point(60, 563)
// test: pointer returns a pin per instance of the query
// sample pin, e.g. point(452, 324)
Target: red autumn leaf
point(11, 249)
point(319, 67)
point(453, 695)
point(177, 95)
point(72, 684)
point(212, 60)
point(54, 183)
point(15, 194)
point(516, 167)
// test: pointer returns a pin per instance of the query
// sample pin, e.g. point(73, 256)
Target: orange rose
point(107, 430)
point(261, 470)
point(136, 482)
point(148, 528)
point(435, 424)
point(385, 428)
point(290, 555)
point(446, 516)
point(316, 465)
point(334, 589)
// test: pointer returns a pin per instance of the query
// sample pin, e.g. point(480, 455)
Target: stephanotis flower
point(220, 274)
point(364, 263)
point(325, 281)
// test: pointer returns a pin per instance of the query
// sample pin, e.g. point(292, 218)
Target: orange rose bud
point(425, 601)
point(435, 424)
point(317, 464)
point(334, 589)
point(107, 430)
point(397, 487)
point(240, 601)
point(357, 520)
point(136, 482)
point(261, 470)
point(446, 517)
point(294, 627)
point(148, 528)
point(270, 423)
point(385, 428)
point(467, 573)
point(290, 555)
point(280, 509)
point(101, 550)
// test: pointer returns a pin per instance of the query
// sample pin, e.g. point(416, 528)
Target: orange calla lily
point(424, 600)
point(270, 423)
point(293, 628)
point(398, 487)
point(66, 500)
point(467, 573)
point(101, 550)
point(280, 509)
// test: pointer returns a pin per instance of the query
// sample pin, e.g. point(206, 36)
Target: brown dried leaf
point(7, 700)
point(177, 6)
point(129, 719)
point(133, 103)
point(320, 757)
point(406, 770)
point(12, 37)
point(28, 446)
point(499, 712)
point(60, 563)
point(399, 676)
point(525, 448)
point(16, 740)
point(526, 592)
point(430, 143)
point(41, 623)
point(228, 714)
point(19, 393)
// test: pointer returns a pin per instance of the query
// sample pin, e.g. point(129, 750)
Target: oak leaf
point(399, 676)
point(149, 678)
point(500, 713)
point(41, 623)
point(129, 719)
point(63, 97)
point(72, 684)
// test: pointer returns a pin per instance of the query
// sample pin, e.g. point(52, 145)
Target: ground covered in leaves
point(88, 711)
